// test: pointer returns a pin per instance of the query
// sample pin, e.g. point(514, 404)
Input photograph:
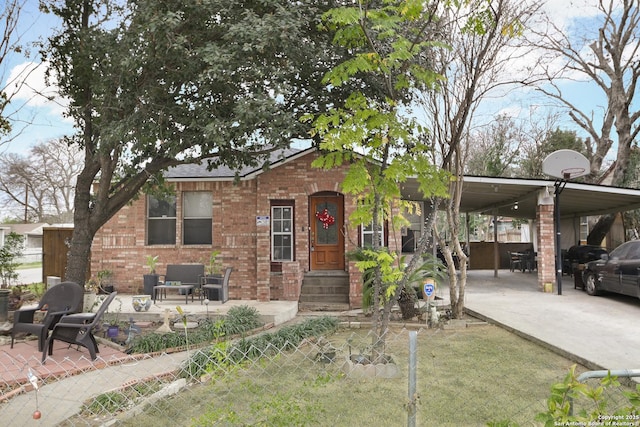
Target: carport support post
point(559, 186)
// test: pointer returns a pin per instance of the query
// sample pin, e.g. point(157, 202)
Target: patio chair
point(528, 260)
point(77, 329)
point(57, 301)
point(515, 263)
point(221, 285)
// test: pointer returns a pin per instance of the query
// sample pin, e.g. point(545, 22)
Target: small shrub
point(115, 401)
point(10, 251)
point(594, 404)
point(38, 289)
point(560, 404)
point(110, 402)
point(239, 320)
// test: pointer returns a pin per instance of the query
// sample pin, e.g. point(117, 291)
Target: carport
point(534, 199)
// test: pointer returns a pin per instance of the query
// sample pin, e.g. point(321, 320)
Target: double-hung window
point(161, 221)
point(281, 233)
point(366, 235)
point(197, 218)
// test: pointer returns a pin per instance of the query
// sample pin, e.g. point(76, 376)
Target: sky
point(36, 111)
point(37, 118)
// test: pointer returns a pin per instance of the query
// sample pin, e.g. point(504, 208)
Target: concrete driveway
point(600, 332)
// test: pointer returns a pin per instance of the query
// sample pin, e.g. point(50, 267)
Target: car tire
point(590, 283)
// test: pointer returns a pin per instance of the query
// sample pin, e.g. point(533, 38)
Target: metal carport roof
point(500, 196)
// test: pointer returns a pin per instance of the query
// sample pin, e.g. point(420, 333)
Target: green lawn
point(30, 265)
point(466, 377)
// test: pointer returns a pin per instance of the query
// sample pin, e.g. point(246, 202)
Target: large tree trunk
point(79, 255)
point(600, 229)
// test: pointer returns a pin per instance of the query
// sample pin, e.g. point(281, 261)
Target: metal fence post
point(413, 397)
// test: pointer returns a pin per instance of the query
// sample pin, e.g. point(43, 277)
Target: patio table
point(159, 288)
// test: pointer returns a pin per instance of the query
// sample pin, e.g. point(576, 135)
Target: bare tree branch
point(482, 36)
point(606, 57)
point(42, 182)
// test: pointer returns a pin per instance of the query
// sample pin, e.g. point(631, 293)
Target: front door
point(327, 237)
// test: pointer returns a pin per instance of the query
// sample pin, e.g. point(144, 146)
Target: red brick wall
point(546, 246)
point(120, 245)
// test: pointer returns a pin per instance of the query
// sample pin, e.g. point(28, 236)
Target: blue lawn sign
point(429, 288)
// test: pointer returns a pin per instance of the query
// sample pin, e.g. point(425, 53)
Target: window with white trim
point(197, 218)
point(281, 233)
point(161, 221)
point(366, 235)
point(584, 229)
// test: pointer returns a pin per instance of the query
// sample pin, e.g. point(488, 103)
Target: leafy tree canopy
point(389, 42)
point(154, 84)
point(190, 79)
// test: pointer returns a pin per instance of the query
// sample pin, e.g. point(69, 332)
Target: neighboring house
point(32, 233)
point(270, 225)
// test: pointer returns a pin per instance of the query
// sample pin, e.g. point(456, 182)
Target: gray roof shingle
point(200, 171)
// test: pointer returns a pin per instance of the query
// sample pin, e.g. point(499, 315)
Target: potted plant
point(213, 267)
point(213, 270)
point(113, 327)
point(150, 280)
point(89, 301)
point(105, 284)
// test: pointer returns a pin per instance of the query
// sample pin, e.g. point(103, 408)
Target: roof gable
point(200, 171)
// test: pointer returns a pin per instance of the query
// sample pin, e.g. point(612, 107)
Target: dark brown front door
point(327, 238)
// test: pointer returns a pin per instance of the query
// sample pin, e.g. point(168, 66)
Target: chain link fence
point(613, 396)
point(468, 376)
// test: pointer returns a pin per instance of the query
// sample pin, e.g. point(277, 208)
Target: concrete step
point(325, 291)
point(326, 281)
point(329, 298)
point(319, 306)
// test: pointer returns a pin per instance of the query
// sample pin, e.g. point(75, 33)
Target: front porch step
point(320, 298)
point(319, 306)
point(325, 291)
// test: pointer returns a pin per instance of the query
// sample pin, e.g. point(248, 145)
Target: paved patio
point(69, 360)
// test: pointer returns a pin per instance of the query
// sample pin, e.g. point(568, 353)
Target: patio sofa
point(186, 274)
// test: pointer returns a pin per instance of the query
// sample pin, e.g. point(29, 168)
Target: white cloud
point(28, 86)
point(564, 12)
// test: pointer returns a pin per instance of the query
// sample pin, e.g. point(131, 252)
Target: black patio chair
point(515, 263)
point(57, 301)
point(221, 285)
point(77, 329)
point(528, 260)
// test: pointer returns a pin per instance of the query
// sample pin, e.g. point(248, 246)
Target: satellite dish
point(566, 164)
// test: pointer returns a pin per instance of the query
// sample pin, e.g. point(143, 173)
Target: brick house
point(264, 224)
